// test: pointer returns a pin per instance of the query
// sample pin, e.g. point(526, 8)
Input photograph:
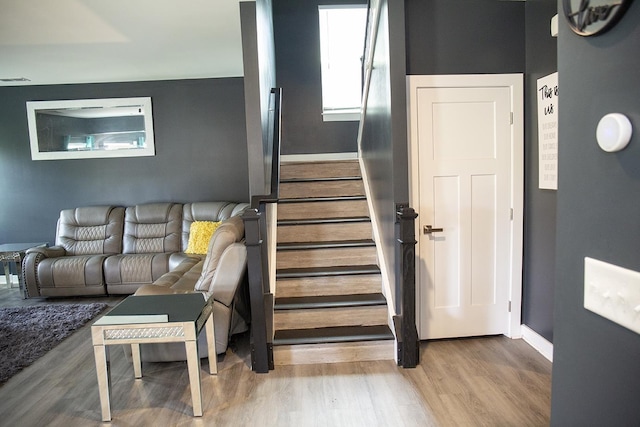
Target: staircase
point(328, 303)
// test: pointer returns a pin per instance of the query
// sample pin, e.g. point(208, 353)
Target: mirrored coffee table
point(155, 319)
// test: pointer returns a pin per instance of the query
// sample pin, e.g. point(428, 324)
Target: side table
point(14, 253)
point(155, 319)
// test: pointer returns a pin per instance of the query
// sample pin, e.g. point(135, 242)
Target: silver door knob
point(427, 229)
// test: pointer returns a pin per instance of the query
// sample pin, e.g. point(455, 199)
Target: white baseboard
point(317, 157)
point(537, 341)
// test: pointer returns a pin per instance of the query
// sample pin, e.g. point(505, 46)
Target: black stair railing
point(257, 221)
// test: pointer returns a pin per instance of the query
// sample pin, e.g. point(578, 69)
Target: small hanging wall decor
point(591, 17)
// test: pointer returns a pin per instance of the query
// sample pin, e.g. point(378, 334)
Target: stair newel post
point(261, 348)
point(405, 322)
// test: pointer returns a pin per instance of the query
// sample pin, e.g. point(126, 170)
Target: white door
point(462, 156)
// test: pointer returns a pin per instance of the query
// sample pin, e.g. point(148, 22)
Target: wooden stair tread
point(329, 301)
point(303, 189)
point(307, 221)
point(322, 199)
point(327, 271)
point(319, 179)
point(332, 335)
point(290, 246)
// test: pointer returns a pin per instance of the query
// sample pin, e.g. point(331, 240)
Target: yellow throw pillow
point(199, 235)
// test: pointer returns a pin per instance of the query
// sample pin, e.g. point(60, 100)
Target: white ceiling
point(91, 41)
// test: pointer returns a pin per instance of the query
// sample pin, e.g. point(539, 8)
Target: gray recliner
point(218, 277)
point(152, 233)
point(85, 237)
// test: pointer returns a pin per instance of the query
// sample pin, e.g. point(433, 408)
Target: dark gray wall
point(540, 205)
point(201, 154)
point(465, 37)
point(297, 45)
point(596, 362)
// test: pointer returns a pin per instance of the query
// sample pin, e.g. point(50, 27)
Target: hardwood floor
point(490, 381)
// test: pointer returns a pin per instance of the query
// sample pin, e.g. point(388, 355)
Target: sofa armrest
point(178, 258)
point(50, 252)
point(32, 258)
point(30, 272)
point(229, 274)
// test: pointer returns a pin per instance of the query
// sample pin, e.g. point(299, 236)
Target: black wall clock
point(591, 17)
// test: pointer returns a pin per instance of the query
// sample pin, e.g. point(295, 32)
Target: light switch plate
point(612, 292)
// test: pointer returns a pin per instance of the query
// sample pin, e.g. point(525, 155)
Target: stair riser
point(328, 317)
point(317, 210)
point(326, 257)
point(329, 285)
point(301, 190)
point(333, 353)
point(326, 232)
point(320, 169)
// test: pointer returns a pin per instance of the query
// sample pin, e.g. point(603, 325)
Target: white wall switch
point(612, 292)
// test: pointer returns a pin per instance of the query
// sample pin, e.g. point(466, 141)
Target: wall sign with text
point(591, 17)
point(548, 132)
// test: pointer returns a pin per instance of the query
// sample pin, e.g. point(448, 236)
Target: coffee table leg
point(7, 273)
point(137, 364)
point(102, 370)
point(193, 363)
point(211, 346)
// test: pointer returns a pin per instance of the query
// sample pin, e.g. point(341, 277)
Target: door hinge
point(511, 119)
point(509, 306)
point(511, 214)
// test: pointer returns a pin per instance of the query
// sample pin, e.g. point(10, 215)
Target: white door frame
point(515, 83)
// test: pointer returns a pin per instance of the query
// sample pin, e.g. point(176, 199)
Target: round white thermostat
point(613, 132)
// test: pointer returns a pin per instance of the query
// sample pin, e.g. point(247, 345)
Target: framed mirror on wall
point(91, 128)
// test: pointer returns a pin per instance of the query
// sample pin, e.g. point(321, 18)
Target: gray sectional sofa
point(102, 250)
point(106, 250)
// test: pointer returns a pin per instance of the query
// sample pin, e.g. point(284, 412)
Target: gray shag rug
point(27, 333)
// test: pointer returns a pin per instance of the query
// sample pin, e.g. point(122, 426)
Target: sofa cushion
point(79, 271)
point(199, 236)
point(230, 231)
point(124, 273)
point(152, 228)
point(93, 230)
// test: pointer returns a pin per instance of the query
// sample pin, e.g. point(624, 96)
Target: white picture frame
point(91, 128)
